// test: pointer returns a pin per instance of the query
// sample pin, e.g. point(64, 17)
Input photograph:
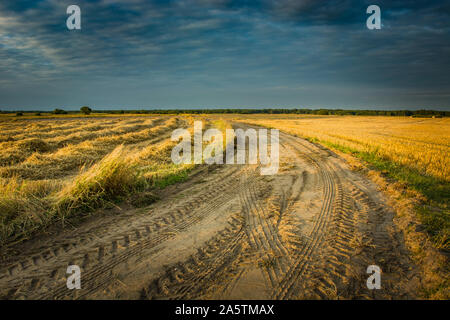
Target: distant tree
point(322, 112)
point(86, 110)
point(37, 114)
point(19, 114)
point(59, 111)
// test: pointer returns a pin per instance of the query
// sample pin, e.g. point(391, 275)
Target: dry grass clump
point(24, 205)
point(114, 177)
point(34, 145)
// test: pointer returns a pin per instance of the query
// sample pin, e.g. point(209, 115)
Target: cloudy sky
point(224, 53)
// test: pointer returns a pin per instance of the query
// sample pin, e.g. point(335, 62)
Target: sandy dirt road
point(308, 232)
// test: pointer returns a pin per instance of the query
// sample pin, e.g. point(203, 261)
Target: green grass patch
point(171, 179)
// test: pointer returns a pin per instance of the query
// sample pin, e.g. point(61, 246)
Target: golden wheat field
point(420, 143)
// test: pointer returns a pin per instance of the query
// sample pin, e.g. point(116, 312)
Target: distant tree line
point(421, 113)
point(416, 113)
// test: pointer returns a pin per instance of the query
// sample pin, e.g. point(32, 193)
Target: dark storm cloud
point(224, 53)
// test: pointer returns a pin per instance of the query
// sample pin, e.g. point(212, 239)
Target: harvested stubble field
point(103, 193)
point(53, 169)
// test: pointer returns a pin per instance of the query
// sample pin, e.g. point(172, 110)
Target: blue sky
point(224, 53)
